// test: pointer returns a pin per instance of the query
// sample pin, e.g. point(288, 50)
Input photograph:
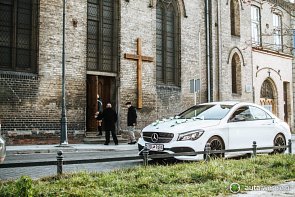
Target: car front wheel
point(216, 143)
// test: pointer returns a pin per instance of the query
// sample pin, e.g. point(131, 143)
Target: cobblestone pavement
point(43, 171)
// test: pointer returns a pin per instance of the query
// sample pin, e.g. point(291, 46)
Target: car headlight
point(191, 135)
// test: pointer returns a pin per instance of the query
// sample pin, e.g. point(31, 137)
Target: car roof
point(221, 103)
point(230, 103)
point(233, 103)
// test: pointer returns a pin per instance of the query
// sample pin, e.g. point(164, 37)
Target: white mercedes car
point(2, 149)
point(225, 125)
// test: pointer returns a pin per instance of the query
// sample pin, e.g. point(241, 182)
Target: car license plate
point(155, 147)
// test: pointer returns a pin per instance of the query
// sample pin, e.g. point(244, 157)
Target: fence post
point(145, 154)
point(290, 146)
point(59, 159)
point(207, 152)
point(254, 149)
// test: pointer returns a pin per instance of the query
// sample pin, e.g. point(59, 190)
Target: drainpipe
point(200, 64)
point(219, 37)
point(208, 61)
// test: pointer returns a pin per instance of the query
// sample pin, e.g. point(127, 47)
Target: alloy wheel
point(216, 144)
point(279, 141)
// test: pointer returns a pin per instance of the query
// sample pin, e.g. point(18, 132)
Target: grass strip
point(185, 179)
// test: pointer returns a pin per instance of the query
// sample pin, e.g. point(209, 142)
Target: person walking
point(131, 122)
point(99, 115)
point(109, 117)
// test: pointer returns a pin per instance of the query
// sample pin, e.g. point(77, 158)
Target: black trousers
point(113, 135)
point(99, 128)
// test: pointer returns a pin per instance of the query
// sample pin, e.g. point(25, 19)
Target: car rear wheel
point(279, 141)
point(216, 143)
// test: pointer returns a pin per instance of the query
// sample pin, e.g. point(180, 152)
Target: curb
point(35, 149)
point(70, 150)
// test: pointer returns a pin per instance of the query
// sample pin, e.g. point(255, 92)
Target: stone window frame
point(277, 31)
point(99, 39)
point(29, 42)
point(256, 22)
point(235, 18)
point(162, 80)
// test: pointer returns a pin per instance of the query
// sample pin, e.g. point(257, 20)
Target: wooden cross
point(139, 58)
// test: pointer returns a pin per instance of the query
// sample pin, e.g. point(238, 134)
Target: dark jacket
point(131, 116)
point(98, 116)
point(109, 119)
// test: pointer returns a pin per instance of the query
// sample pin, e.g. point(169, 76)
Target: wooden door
point(105, 87)
point(285, 86)
point(91, 124)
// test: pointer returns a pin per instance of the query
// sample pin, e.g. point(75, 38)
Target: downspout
point(208, 62)
point(219, 37)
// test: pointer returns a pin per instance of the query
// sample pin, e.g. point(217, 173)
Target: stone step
point(94, 139)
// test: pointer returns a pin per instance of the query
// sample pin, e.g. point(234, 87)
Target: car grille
point(161, 137)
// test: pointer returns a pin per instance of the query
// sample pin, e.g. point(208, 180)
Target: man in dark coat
point(131, 122)
point(109, 117)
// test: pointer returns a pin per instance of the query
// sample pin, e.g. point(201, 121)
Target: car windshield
point(206, 112)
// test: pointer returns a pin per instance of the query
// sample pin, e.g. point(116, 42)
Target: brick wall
point(138, 20)
point(229, 45)
point(30, 104)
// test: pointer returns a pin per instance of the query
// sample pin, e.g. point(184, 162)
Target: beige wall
point(279, 70)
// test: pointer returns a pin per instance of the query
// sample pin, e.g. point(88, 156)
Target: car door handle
point(270, 123)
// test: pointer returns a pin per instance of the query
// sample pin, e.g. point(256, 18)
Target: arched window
point(102, 45)
point(18, 35)
point(266, 90)
point(236, 74)
point(168, 63)
point(267, 96)
point(235, 17)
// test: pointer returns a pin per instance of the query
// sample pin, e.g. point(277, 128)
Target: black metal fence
point(145, 156)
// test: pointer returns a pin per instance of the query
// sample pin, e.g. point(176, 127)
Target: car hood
point(179, 125)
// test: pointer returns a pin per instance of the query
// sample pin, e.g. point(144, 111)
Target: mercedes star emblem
point(155, 137)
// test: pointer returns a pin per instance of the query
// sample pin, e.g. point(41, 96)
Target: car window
point(242, 114)
point(206, 112)
point(259, 114)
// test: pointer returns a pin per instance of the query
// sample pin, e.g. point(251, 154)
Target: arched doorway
point(268, 96)
point(106, 88)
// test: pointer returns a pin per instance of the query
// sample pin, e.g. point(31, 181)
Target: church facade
point(147, 52)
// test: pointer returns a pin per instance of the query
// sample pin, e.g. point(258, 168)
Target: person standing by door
point(131, 122)
point(99, 115)
point(109, 117)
